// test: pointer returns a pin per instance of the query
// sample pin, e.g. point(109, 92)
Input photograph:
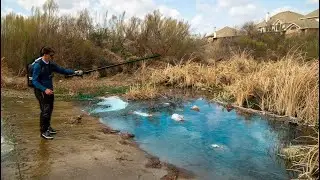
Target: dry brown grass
point(304, 159)
point(142, 92)
point(10, 81)
point(4, 72)
point(286, 87)
point(196, 75)
point(192, 75)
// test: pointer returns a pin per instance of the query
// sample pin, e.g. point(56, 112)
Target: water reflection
point(43, 156)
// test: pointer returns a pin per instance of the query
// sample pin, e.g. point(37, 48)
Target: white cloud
point(7, 10)
point(169, 12)
point(73, 6)
point(245, 10)
point(138, 8)
point(132, 8)
point(63, 4)
point(232, 3)
point(196, 20)
point(312, 1)
point(27, 4)
point(222, 13)
point(282, 9)
point(98, 8)
point(206, 6)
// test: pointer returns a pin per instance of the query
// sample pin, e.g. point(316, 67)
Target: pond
point(213, 143)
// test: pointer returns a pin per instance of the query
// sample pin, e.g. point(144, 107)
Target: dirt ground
point(80, 149)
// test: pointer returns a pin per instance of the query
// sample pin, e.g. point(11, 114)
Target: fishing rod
point(114, 65)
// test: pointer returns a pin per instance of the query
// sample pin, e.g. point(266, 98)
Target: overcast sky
point(203, 15)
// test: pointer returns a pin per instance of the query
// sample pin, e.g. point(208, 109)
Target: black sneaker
point(52, 131)
point(46, 135)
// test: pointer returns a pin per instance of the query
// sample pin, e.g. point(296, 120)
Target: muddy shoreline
point(81, 149)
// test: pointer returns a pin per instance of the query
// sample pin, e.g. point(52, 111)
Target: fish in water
point(177, 117)
point(142, 114)
point(195, 108)
point(215, 146)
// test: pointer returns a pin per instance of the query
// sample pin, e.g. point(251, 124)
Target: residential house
point(288, 22)
point(278, 22)
point(225, 32)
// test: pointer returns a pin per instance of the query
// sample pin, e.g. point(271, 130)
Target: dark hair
point(46, 50)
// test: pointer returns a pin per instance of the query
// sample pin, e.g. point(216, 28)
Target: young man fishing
point(43, 68)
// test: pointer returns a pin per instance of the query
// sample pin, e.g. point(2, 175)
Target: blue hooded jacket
point(42, 74)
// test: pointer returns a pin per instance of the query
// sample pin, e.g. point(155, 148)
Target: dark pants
point(46, 107)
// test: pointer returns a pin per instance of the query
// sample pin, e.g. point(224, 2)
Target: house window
point(278, 27)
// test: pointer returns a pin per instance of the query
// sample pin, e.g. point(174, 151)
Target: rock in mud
point(175, 173)
point(123, 158)
point(94, 137)
point(170, 176)
point(126, 136)
point(77, 120)
point(108, 130)
point(123, 142)
point(153, 162)
point(229, 107)
point(195, 108)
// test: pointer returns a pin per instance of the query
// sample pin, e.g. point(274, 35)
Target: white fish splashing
point(112, 103)
point(195, 108)
point(142, 114)
point(215, 145)
point(177, 117)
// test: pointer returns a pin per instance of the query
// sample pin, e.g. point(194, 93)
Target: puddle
point(6, 145)
point(212, 142)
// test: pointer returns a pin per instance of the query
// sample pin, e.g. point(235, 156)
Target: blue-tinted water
point(246, 148)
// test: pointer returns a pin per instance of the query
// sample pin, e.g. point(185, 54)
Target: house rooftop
point(313, 14)
point(284, 17)
point(226, 32)
point(306, 23)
